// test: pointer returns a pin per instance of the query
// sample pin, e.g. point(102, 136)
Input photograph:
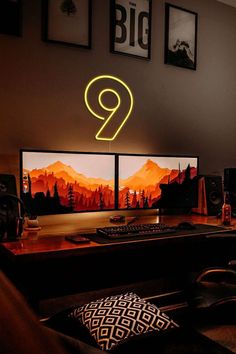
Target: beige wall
point(177, 111)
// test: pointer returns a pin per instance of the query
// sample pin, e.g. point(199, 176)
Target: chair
point(214, 287)
point(212, 300)
point(22, 333)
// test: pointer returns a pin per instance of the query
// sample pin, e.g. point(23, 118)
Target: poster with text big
point(131, 27)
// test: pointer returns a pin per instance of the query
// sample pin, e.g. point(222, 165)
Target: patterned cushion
point(114, 319)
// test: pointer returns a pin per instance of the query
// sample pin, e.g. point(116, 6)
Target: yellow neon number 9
point(114, 119)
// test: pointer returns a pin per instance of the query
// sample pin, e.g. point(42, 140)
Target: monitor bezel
point(21, 151)
point(151, 155)
point(116, 173)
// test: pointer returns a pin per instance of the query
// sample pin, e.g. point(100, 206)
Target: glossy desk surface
point(51, 237)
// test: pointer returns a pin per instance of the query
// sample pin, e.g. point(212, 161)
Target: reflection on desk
point(51, 238)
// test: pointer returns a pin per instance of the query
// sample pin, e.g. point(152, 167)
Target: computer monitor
point(155, 182)
point(55, 182)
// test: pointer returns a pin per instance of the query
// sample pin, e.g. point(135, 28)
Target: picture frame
point(11, 17)
point(180, 37)
point(130, 28)
point(67, 22)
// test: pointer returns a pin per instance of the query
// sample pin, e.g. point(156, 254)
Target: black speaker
point(11, 209)
point(230, 184)
point(210, 195)
point(7, 184)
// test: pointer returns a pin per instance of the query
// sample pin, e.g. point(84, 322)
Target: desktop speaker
point(11, 209)
point(230, 184)
point(210, 195)
point(7, 184)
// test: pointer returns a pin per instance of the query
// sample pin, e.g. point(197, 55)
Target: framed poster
point(11, 17)
point(130, 31)
point(180, 37)
point(67, 22)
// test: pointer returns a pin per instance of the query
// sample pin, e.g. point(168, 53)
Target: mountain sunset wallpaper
point(55, 183)
point(153, 182)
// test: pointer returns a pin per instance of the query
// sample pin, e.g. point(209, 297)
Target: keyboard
point(117, 232)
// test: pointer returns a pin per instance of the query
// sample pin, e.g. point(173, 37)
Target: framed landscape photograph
point(130, 27)
point(11, 17)
point(180, 37)
point(67, 22)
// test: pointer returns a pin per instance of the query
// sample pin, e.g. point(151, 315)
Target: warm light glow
point(113, 110)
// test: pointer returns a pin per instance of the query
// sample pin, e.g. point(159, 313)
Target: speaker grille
point(210, 195)
point(214, 194)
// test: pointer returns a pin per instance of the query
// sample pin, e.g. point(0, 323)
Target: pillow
point(115, 319)
point(69, 325)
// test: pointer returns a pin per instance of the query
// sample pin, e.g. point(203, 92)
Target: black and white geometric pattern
point(116, 318)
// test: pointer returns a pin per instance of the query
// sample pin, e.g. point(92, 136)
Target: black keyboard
point(116, 232)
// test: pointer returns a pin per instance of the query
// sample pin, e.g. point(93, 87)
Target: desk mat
point(201, 229)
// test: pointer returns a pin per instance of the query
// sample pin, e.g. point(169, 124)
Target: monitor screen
point(146, 182)
point(67, 182)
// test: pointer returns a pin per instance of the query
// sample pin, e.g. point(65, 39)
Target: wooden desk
point(51, 238)
point(44, 264)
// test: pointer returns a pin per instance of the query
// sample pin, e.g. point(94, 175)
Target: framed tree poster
point(180, 37)
point(67, 22)
point(130, 27)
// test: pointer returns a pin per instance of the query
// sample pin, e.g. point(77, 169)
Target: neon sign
point(114, 116)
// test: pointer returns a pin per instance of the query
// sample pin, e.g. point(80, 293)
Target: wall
point(177, 111)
